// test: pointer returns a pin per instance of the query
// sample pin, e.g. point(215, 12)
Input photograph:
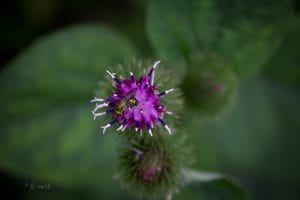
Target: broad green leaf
point(209, 186)
point(47, 129)
point(245, 33)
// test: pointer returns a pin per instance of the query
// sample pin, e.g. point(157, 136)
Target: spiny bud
point(150, 167)
point(209, 84)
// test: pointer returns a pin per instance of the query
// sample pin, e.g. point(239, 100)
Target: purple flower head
point(134, 103)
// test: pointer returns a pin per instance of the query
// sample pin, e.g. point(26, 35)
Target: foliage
point(236, 30)
point(47, 131)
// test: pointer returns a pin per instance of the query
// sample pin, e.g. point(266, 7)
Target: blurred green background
point(48, 76)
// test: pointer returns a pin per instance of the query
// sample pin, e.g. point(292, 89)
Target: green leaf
point(47, 129)
point(208, 185)
point(284, 64)
point(257, 141)
point(246, 33)
point(249, 135)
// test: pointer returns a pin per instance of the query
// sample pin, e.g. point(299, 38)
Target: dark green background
point(256, 140)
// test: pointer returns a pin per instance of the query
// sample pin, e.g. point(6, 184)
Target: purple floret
point(135, 103)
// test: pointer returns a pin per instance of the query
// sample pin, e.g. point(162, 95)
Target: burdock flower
point(135, 102)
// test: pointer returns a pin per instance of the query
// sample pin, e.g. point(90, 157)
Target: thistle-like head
point(134, 103)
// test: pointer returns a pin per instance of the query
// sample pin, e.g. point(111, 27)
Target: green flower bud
point(151, 167)
point(209, 85)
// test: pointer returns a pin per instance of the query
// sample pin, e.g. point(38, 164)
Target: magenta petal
point(137, 114)
point(134, 103)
